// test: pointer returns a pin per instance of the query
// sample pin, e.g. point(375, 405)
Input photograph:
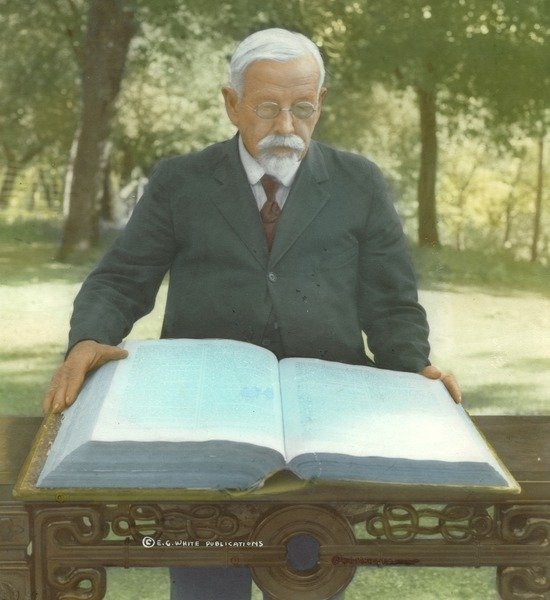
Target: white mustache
point(292, 142)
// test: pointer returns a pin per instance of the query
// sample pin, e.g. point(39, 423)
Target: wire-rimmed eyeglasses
point(270, 110)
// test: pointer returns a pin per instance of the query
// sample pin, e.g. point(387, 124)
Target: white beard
point(277, 163)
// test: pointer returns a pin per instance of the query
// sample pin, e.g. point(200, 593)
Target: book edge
point(25, 486)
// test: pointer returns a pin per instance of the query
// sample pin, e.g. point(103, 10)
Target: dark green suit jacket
point(339, 263)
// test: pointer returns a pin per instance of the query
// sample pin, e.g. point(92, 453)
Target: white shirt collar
point(255, 171)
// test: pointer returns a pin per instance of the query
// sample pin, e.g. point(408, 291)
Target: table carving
point(524, 583)
point(9, 591)
point(526, 524)
point(330, 575)
point(11, 530)
point(201, 522)
point(458, 523)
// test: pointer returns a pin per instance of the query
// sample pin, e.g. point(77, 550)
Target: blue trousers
point(214, 583)
point(235, 583)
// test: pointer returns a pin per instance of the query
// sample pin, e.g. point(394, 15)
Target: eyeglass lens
point(269, 110)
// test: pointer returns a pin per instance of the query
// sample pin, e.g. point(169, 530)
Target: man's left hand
point(432, 372)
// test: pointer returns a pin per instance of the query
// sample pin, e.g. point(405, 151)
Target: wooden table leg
point(15, 567)
point(67, 528)
point(525, 525)
point(521, 583)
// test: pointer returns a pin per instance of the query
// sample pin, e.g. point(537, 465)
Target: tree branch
point(69, 31)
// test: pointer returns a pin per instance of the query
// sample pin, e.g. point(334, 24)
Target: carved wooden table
point(58, 550)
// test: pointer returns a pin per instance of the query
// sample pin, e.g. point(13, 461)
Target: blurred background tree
point(450, 99)
point(455, 55)
point(38, 102)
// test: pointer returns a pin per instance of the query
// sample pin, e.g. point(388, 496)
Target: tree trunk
point(111, 26)
point(30, 199)
point(427, 218)
point(13, 169)
point(127, 164)
point(459, 238)
point(508, 214)
point(68, 183)
point(507, 223)
point(538, 201)
point(107, 210)
point(49, 187)
point(14, 166)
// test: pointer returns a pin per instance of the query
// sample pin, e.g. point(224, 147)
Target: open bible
point(222, 414)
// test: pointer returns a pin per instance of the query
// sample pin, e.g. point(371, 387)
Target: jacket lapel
point(235, 200)
point(307, 197)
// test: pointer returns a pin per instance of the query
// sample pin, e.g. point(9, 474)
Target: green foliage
point(169, 104)
point(486, 61)
point(509, 66)
point(459, 46)
point(38, 86)
point(466, 55)
point(380, 124)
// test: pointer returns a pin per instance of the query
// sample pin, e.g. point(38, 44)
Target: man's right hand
point(69, 377)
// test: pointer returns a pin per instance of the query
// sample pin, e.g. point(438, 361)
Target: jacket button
point(272, 277)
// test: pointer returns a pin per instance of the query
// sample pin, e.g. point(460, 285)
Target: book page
point(194, 390)
point(364, 411)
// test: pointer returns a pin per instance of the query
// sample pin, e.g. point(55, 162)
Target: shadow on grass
point(530, 365)
point(22, 398)
point(28, 248)
point(43, 352)
point(526, 364)
point(501, 398)
point(496, 273)
point(35, 264)
point(24, 377)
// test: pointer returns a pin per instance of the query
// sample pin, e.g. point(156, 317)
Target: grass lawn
point(489, 316)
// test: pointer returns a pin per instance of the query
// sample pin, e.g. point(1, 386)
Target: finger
point(64, 386)
point(68, 379)
point(111, 353)
point(47, 402)
point(452, 387)
point(58, 404)
point(49, 396)
point(449, 381)
point(54, 400)
point(74, 384)
point(431, 372)
point(73, 374)
point(101, 355)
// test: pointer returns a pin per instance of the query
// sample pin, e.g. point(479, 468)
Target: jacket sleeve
point(393, 320)
point(123, 286)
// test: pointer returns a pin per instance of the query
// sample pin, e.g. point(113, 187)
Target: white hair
point(271, 44)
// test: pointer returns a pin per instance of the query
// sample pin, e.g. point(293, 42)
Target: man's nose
point(284, 123)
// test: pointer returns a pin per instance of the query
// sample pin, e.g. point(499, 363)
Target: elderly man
point(270, 238)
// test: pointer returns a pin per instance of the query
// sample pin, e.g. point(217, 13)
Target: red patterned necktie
point(271, 211)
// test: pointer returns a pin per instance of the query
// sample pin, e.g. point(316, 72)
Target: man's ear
point(322, 94)
point(231, 100)
point(320, 98)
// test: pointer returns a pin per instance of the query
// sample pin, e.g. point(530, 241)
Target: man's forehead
point(298, 72)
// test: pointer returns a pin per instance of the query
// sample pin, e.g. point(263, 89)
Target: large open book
point(221, 414)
